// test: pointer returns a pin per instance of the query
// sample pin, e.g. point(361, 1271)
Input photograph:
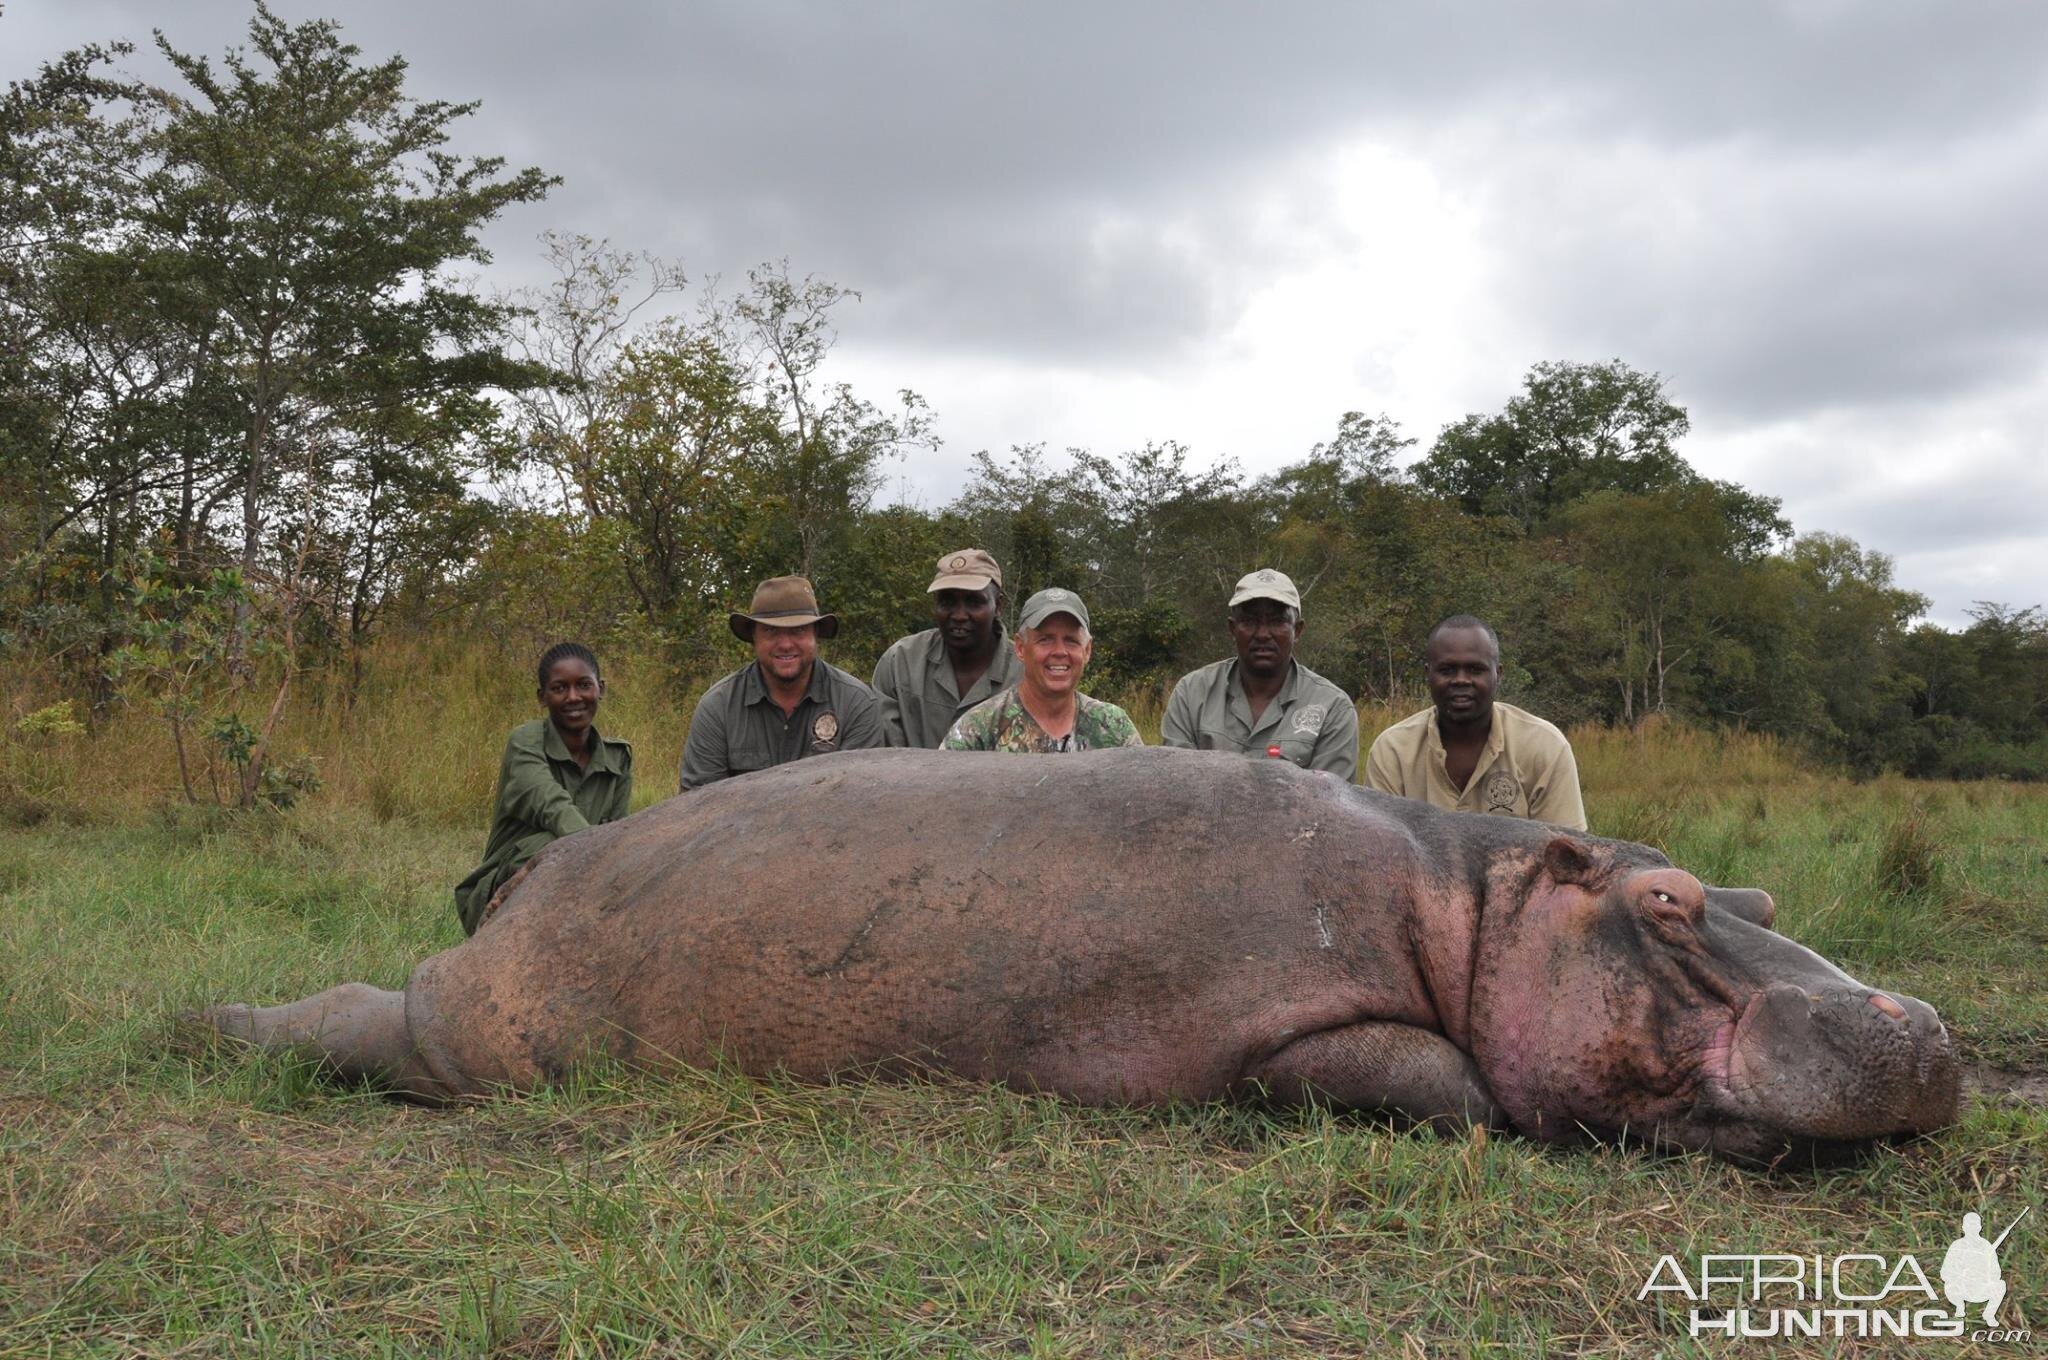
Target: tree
point(575, 330)
point(1573, 430)
point(304, 217)
point(823, 464)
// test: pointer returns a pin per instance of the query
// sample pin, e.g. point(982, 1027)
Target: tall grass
point(159, 1196)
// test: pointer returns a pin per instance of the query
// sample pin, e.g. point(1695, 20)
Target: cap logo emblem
point(1055, 594)
point(957, 563)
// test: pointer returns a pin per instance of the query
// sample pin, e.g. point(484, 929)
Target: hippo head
point(1618, 995)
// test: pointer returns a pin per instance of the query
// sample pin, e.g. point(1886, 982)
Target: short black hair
point(1464, 621)
point(562, 651)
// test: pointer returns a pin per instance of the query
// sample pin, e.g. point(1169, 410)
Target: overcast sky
point(1099, 224)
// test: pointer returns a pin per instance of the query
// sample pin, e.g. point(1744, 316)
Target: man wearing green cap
point(1264, 702)
point(927, 680)
point(787, 704)
point(1045, 712)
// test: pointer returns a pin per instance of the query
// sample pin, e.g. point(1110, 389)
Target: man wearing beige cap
point(787, 704)
point(927, 680)
point(1263, 702)
point(1045, 713)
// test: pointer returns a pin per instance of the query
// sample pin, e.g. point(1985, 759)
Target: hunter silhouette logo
point(1860, 1294)
point(1969, 1273)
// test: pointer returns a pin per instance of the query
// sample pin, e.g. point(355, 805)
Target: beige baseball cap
point(1266, 584)
point(967, 569)
point(1047, 603)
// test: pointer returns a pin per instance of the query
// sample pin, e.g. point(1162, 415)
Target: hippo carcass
point(1150, 925)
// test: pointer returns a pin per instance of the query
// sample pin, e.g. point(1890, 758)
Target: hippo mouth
point(1848, 1065)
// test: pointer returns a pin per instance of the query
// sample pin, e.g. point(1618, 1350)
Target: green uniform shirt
point(921, 699)
point(1004, 724)
point(738, 729)
point(1526, 770)
point(1311, 720)
point(544, 794)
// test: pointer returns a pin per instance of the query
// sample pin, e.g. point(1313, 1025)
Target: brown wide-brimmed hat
point(785, 602)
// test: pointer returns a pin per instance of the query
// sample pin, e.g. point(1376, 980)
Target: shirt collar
point(819, 690)
point(555, 748)
point(1234, 696)
point(940, 664)
point(1495, 744)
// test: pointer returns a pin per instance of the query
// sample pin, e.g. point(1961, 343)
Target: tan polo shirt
point(1310, 719)
point(1526, 770)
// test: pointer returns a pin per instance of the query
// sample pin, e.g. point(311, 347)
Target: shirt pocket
point(1299, 747)
point(749, 756)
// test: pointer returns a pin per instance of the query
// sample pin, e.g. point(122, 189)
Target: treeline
point(252, 418)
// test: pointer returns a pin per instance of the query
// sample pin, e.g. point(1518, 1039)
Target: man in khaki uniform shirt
point(1263, 702)
point(927, 680)
point(1469, 753)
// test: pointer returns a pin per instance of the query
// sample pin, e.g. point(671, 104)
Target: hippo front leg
point(355, 1030)
point(1378, 1065)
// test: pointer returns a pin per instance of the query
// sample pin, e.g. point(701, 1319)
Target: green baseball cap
point(1046, 603)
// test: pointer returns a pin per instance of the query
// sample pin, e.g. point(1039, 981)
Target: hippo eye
point(1663, 896)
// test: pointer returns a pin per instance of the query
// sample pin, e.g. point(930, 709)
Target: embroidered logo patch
point(826, 729)
point(1310, 719)
point(1501, 790)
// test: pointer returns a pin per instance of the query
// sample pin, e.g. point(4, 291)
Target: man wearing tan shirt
point(1469, 753)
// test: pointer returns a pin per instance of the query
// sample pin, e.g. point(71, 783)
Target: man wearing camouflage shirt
point(1045, 713)
point(1265, 703)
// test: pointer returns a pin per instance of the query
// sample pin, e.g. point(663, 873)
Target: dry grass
point(160, 1197)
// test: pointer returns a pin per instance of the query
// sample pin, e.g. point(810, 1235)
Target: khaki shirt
point(1311, 720)
point(738, 729)
point(1526, 770)
point(921, 699)
point(543, 794)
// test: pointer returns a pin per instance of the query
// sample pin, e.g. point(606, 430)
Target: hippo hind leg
point(1378, 1065)
point(356, 1031)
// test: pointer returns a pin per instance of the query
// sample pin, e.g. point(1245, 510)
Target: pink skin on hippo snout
point(1634, 991)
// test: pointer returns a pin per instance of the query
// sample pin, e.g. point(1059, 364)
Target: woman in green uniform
point(559, 776)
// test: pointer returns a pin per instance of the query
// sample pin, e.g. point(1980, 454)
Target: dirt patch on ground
point(2005, 1085)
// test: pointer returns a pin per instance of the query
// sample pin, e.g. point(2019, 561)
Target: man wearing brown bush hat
point(787, 704)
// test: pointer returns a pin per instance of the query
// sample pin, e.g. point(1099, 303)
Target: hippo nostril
point(1888, 1006)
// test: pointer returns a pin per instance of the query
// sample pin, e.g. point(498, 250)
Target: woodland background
point(267, 451)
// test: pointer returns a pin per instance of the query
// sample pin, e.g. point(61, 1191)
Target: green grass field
point(161, 1196)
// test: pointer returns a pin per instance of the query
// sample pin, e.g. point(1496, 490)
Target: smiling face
point(966, 619)
point(1265, 632)
point(1464, 671)
point(786, 654)
point(1055, 653)
point(1624, 996)
point(570, 694)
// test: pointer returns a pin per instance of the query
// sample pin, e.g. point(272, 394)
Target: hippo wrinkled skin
point(1145, 926)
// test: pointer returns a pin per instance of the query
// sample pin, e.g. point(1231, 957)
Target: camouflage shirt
point(1003, 724)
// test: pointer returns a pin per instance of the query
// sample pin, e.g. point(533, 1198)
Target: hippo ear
point(1753, 905)
point(1569, 861)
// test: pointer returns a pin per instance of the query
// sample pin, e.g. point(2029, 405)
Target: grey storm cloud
point(1791, 210)
point(992, 176)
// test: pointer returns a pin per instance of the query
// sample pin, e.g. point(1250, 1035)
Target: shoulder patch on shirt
point(1310, 719)
point(1500, 791)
